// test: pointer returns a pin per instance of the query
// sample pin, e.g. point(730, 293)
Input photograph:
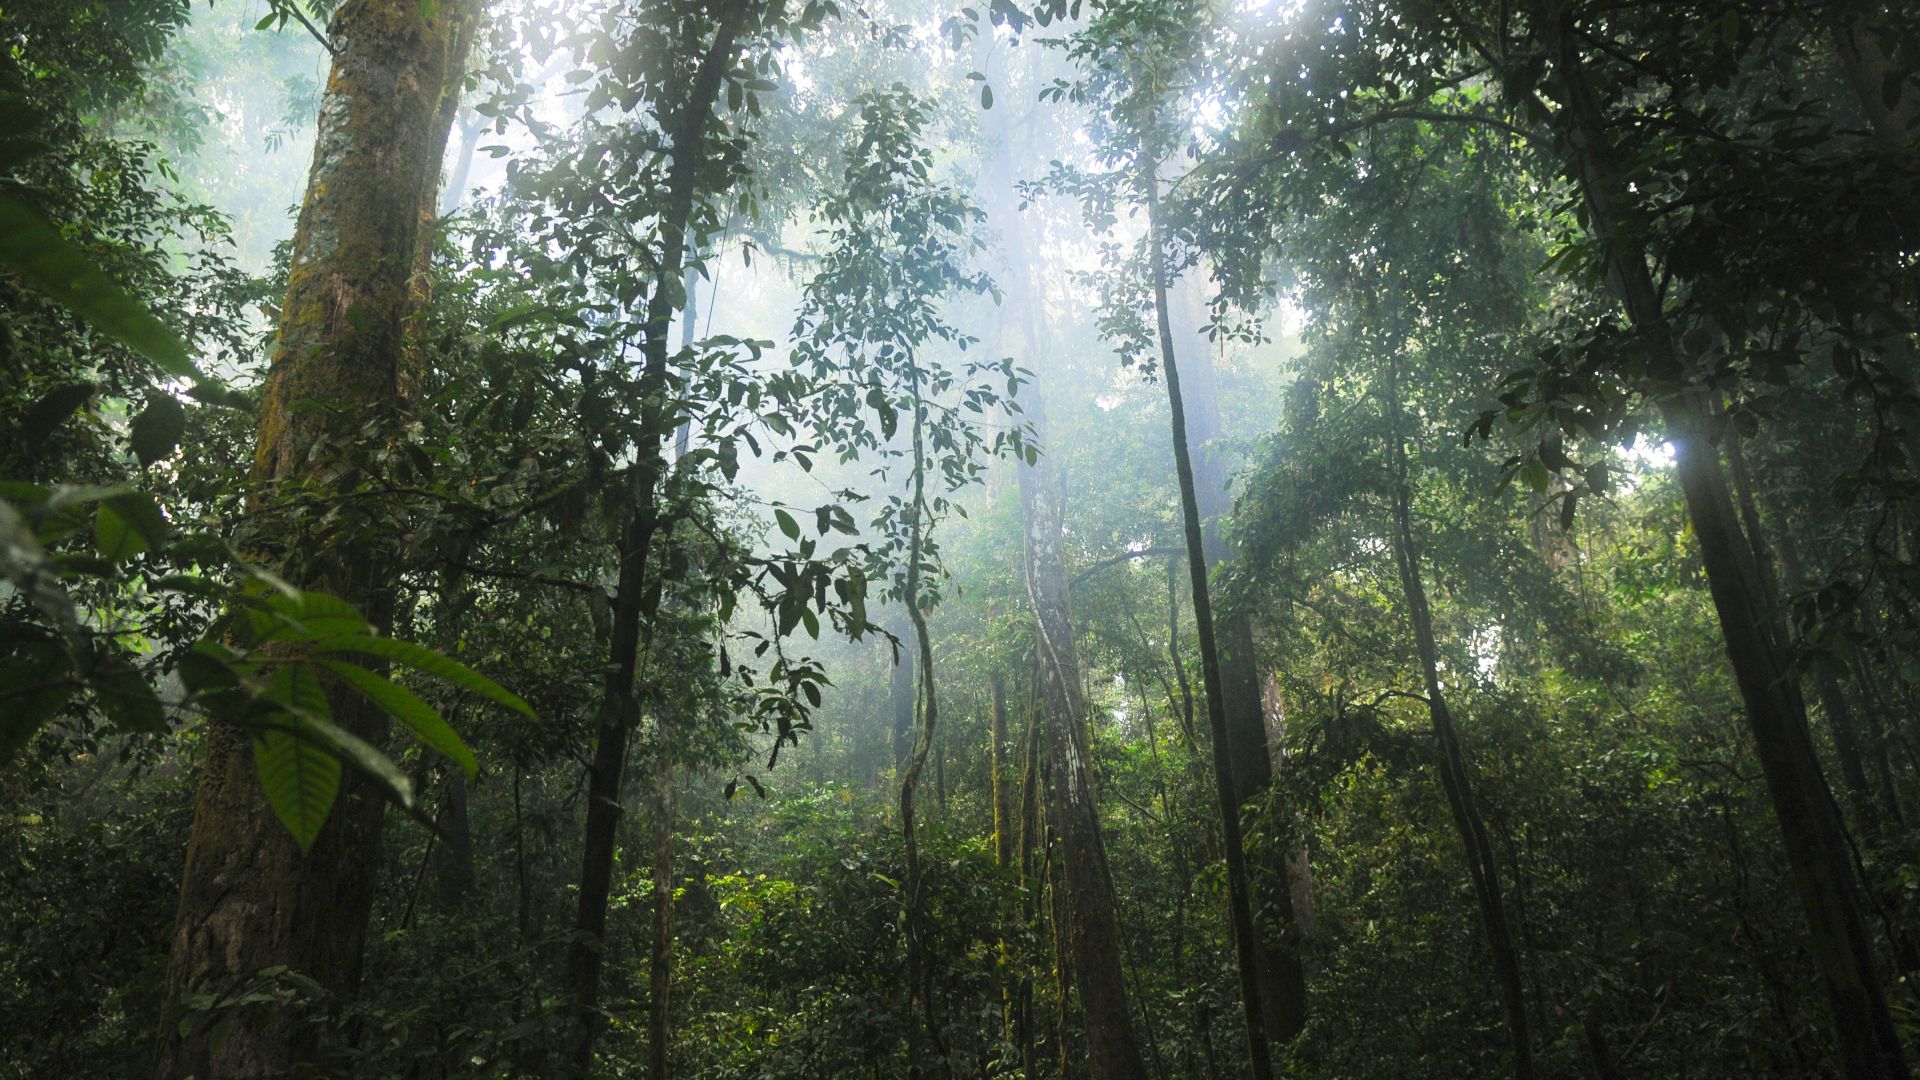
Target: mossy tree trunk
point(250, 900)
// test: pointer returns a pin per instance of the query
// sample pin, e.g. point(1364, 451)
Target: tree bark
point(249, 898)
point(1239, 903)
point(660, 962)
point(687, 132)
point(1810, 827)
point(1092, 924)
point(920, 1007)
point(1283, 984)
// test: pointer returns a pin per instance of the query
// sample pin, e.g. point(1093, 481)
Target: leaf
point(52, 409)
point(303, 616)
point(300, 780)
point(114, 537)
point(157, 430)
point(35, 684)
point(405, 706)
point(126, 525)
point(986, 96)
point(424, 659)
point(56, 266)
point(787, 524)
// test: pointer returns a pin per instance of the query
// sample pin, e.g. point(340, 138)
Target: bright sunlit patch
point(1649, 454)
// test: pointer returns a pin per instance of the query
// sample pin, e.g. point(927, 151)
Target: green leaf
point(127, 698)
point(157, 430)
point(127, 524)
point(986, 96)
point(300, 779)
point(114, 537)
point(35, 684)
point(302, 616)
point(52, 409)
point(424, 659)
point(787, 524)
point(31, 247)
point(405, 706)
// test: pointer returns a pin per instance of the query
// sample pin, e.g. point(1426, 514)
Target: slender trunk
point(1239, 903)
point(920, 1007)
point(1030, 888)
point(456, 192)
point(901, 696)
point(249, 899)
point(660, 963)
point(996, 753)
point(1810, 826)
point(1455, 779)
point(1283, 987)
point(632, 594)
point(1842, 726)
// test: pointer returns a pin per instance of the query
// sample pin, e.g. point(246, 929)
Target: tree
point(252, 899)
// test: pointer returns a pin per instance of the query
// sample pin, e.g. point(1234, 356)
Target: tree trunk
point(1092, 924)
point(1239, 903)
point(1455, 780)
point(632, 593)
point(249, 898)
point(1092, 928)
point(920, 1007)
point(452, 867)
point(1283, 984)
point(996, 754)
point(660, 963)
point(1810, 826)
point(900, 699)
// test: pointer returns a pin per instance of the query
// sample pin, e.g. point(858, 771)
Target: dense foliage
point(660, 553)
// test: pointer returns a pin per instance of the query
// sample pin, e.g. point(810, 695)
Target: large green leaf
point(32, 248)
point(300, 778)
point(301, 616)
point(424, 659)
point(405, 706)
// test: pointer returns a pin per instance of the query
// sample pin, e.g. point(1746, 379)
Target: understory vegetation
point(864, 538)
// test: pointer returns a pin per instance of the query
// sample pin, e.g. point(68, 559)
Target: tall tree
point(1239, 899)
point(1283, 989)
point(250, 899)
point(706, 39)
point(1092, 920)
point(1809, 821)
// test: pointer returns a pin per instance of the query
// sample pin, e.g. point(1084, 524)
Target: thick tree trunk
point(1239, 901)
point(1091, 956)
point(633, 595)
point(249, 898)
point(1283, 985)
point(1810, 827)
point(452, 866)
point(1092, 924)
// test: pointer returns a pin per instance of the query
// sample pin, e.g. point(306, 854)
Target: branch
point(1125, 556)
